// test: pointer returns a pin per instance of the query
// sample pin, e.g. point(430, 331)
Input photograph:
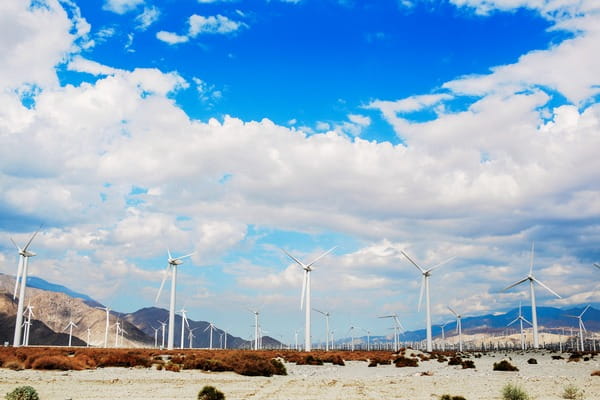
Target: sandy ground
point(546, 380)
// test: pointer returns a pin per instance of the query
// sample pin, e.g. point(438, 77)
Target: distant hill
point(39, 283)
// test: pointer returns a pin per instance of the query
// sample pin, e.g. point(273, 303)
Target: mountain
point(39, 283)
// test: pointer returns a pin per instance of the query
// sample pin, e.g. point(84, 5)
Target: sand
point(545, 380)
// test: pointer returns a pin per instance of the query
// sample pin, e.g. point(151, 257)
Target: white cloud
point(81, 64)
point(149, 16)
point(171, 38)
point(218, 24)
point(122, 6)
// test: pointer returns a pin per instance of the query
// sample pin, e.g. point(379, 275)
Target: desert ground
point(355, 380)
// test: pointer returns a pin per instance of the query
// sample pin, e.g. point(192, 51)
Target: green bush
point(210, 393)
point(23, 393)
point(572, 392)
point(514, 392)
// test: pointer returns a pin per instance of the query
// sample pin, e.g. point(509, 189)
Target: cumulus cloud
point(218, 24)
point(171, 38)
point(122, 6)
point(149, 16)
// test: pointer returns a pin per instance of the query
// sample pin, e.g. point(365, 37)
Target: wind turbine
point(327, 315)
point(70, 325)
point(89, 332)
point(458, 328)
point(351, 332)
point(184, 323)
point(191, 336)
point(442, 326)
point(30, 314)
point(155, 336)
point(397, 327)
point(532, 279)
point(24, 255)
point(256, 327)
point(368, 338)
point(520, 318)
point(173, 262)
point(123, 331)
point(425, 287)
point(117, 331)
point(306, 292)
point(163, 323)
point(107, 324)
point(581, 326)
point(212, 327)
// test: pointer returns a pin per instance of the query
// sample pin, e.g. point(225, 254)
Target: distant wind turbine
point(532, 279)
point(163, 324)
point(581, 326)
point(442, 326)
point(184, 323)
point(256, 327)
point(70, 326)
point(117, 331)
point(173, 263)
point(24, 255)
point(327, 315)
point(425, 287)
point(30, 314)
point(397, 328)
point(155, 336)
point(212, 327)
point(521, 319)
point(306, 293)
point(107, 324)
point(351, 332)
point(458, 328)
point(191, 336)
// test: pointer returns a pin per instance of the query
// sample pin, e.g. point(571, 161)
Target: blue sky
point(464, 128)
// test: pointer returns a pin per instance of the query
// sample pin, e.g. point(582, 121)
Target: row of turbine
point(305, 301)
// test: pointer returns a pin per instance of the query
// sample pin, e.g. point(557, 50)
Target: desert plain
point(355, 380)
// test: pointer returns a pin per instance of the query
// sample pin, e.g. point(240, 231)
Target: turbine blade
point(583, 312)
point(421, 294)
point(169, 253)
point(321, 256)
point(523, 318)
point(294, 258)
point(319, 311)
point(515, 320)
point(597, 265)
point(531, 264)
point(547, 288)
point(515, 284)
point(186, 256)
point(31, 240)
point(582, 325)
point(13, 242)
point(412, 262)
point(19, 272)
point(440, 264)
point(452, 311)
point(162, 284)
point(303, 289)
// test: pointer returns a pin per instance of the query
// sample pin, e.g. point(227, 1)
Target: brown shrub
point(595, 373)
point(456, 360)
point(172, 367)
point(15, 365)
point(504, 365)
point(59, 362)
point(468, 364)
point(406, 362)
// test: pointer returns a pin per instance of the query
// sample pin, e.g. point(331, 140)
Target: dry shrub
point(504, 365)
point(557, 358)
point(172, 367)
point(121, 359)
point(468, 364)
point(372, 364)
point(15, 365)
point(210, 393)
point(334, 359)
point(450, 397)
point(406, 362)
point(58, 362)
point(252, 365)
point(532, 361)
point(595, 373)
point(456, 360)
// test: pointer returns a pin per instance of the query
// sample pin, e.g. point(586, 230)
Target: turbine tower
point(256, 327)
point(107, 324)
point(397, 328)
point(24, 255)
point(442, 326)
point(71, 325)
point(306, 292)
point(521, 319)
point(173, 262)
point(327, 315)
point(458, 328)
point(581, 326)
point(532, 280)
point(425, 287)
point(184, 323)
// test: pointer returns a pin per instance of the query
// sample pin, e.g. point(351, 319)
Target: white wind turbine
point(521, 319)
point(425, 287)
point(117, 331)
point(155, 336)
point(184, 323)
point(24, 255)
point(397, 328)
point(458, 328)
point(581, 326)
point(256, 327)
point(327, 315)
point(163, 325)
point(212, 327)
point(70, 325)
point(173, 262)
point(306, 293)
point(191, 337)
point(30, 314)
point(531, 280)
point(442, 326)
point(351, 332)
point(107, 324)
point(89, 333)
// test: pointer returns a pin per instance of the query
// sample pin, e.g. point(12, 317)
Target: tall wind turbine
point(458, 327)
point(256, 327)
point(425, 287)
point(107, 324)
point(532, 280)
point(71, 325)
point(163, 325)
point(581, 326)
point(173, 262)
point(327, 315)
point(212, 327)
point(30, 314)
point(521, 319)
point(306, 293)
point(24, 255)
point(184, 323)
point(397, 327)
